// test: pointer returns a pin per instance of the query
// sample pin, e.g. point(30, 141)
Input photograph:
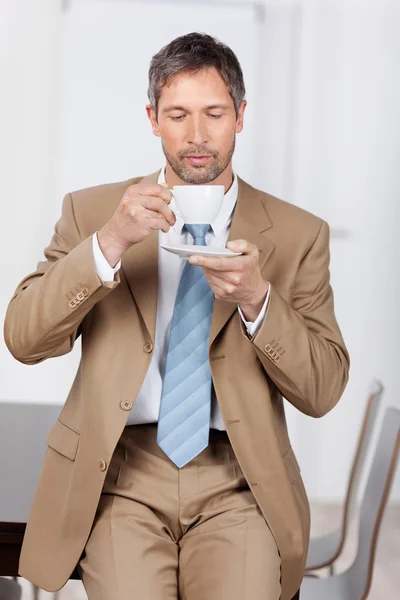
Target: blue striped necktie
point(184, 418)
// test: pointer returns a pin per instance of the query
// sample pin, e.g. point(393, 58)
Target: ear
point(240, 117)
point(151, 113)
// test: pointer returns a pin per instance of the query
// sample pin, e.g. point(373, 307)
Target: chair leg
point(36, 591)
point(10, 589)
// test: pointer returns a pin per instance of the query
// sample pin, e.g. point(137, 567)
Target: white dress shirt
point(170, 266)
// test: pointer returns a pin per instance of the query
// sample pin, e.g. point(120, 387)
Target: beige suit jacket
point(298, 353)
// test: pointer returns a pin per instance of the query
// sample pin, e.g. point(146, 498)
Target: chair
point(355, 583)
point(10, 589)
point(324, 550)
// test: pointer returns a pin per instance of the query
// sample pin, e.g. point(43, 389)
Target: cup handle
point(175, 211)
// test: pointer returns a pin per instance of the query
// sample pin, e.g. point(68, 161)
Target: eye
point(215, 116)
point(178, 118)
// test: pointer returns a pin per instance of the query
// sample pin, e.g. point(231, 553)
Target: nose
point(197, 133)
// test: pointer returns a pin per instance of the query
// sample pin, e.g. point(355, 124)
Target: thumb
point(238, 246)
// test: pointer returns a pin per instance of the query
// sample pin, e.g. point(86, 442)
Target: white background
point(321, 131)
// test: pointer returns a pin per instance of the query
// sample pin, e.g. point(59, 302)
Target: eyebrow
point(209, 107)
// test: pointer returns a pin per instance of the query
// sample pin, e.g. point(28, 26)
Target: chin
point(197, 175)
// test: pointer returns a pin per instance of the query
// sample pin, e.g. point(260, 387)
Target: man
point(225, 514)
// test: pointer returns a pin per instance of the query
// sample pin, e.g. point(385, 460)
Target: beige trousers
point(164, 533)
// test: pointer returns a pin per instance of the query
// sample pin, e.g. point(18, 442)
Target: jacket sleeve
point(300, 344)
point(44, 315)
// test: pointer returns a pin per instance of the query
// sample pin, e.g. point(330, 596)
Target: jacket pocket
point(63, 440)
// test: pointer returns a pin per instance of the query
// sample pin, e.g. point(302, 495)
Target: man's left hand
point(236, 279)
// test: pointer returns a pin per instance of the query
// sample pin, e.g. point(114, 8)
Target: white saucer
point(187, 250)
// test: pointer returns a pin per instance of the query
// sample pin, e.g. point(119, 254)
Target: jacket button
point(85, 292)
point(148, 347)
point(102, 465)
point(72, 303)
point(125, 404)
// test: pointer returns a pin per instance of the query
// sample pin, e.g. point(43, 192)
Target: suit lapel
point(140, 267)
point(249, 221)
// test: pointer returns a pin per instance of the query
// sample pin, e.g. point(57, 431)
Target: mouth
point(197, 160)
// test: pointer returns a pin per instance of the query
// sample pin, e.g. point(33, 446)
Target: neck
point(225, 178)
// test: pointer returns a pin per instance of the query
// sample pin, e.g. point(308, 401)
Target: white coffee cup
point(198, 204)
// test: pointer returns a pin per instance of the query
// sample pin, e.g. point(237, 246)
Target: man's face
point(197, 124)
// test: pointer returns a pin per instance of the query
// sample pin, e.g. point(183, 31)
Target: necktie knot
point(198, 233)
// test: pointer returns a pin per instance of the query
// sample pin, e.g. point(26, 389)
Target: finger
point(165, 185)
point(236, 263)
point(242, 246)
point(159, 223)
point(158, 205)
point(215, 281)
point(138, 211)
point(223, 278)
point(157, 190)
point(152, 214)
point(217, 287)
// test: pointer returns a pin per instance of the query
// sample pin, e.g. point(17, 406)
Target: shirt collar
point(224, 216)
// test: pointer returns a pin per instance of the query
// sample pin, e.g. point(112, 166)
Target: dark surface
point(11, 535)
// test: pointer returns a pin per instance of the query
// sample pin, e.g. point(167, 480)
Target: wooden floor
point(386, 581)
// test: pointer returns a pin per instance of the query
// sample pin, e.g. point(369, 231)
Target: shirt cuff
point(252, 327)
point(103, 269)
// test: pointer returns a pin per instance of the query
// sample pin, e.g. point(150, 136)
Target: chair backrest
point(373, 504)
point(360, 456)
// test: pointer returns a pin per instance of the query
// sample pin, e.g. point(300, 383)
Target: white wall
point(329, 141)
point(88, 124)
point(338, 83)
point(29, 39)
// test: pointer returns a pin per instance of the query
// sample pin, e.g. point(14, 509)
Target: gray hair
point(189, 54)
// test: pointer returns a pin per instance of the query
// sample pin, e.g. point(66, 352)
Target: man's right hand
point(143, 209)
